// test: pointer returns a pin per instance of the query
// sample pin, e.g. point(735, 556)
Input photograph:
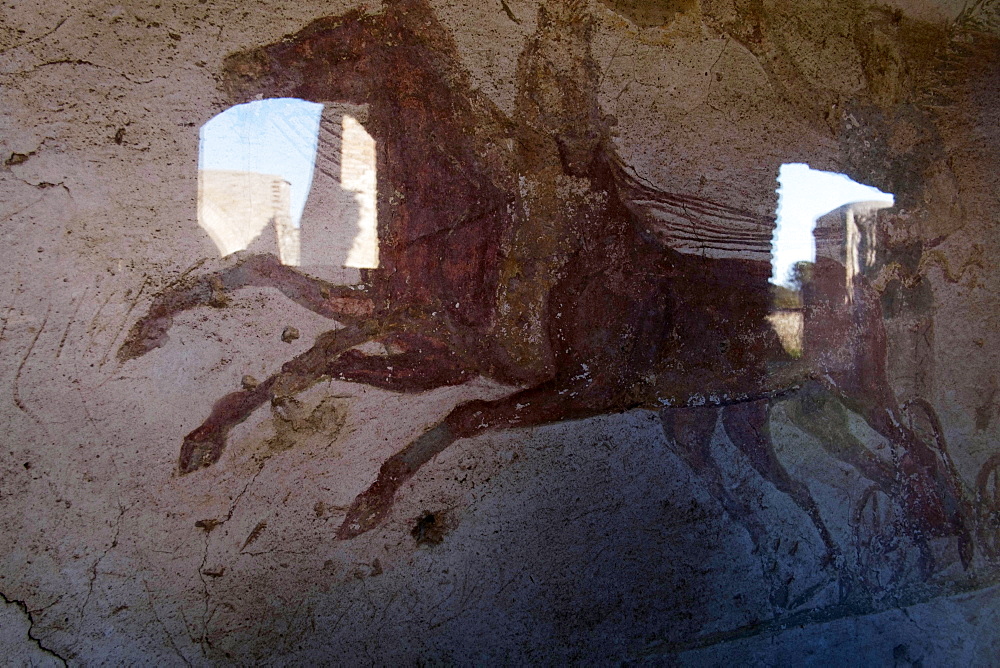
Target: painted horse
point(517, 248)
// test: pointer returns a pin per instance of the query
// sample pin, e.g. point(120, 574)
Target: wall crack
point(31, 625)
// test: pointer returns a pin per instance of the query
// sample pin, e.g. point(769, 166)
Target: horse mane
point(691, 224)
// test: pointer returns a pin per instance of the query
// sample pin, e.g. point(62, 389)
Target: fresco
point(436, 332)
point(533, 266)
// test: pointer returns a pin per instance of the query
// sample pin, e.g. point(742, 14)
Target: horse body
point(509, 250)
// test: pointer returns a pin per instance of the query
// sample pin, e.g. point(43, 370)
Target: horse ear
point(409, 12)
point(572, 14)
point(576, 10)
point(416, 6)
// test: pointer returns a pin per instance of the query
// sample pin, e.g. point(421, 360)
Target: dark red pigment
point(627, 322)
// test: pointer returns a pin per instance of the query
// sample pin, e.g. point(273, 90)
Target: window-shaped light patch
point(805, 195)
point(257, 164)
point(357, 176)
point(825, 207)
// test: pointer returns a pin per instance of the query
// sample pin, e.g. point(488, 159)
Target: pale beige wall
point(100, 538)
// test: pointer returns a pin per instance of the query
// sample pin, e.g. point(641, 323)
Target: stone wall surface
point(555, 424)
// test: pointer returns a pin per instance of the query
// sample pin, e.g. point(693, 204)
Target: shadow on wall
point(626, 323)
point(267, 183)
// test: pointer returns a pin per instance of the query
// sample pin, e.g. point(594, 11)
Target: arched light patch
point(257, 163)
point(255, 169)
point(804, 195)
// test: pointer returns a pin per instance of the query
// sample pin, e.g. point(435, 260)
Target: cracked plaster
point(581, 541)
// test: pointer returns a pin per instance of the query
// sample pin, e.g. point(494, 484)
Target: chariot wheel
point(884, 552)
point(925, 424)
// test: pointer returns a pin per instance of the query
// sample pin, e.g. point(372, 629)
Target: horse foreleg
point(747, 426)
point(690, 430)
point(203, 446)
point(338, 302)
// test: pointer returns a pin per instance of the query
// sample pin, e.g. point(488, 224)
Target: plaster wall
point(606, 530)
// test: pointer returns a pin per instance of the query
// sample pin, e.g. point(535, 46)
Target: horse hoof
point(201, 449)
point(365, 514)
point(146, 335)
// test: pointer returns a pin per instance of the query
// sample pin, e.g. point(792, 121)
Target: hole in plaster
point(430, 529)
point(258, 168)
point(822, 214)
point(805, 195)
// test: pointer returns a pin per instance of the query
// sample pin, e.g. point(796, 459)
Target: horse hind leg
point(926, 425)
point(988, 508)
point(820, 412)
point(747, 426)
point(338, 302)
point(691, 431)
